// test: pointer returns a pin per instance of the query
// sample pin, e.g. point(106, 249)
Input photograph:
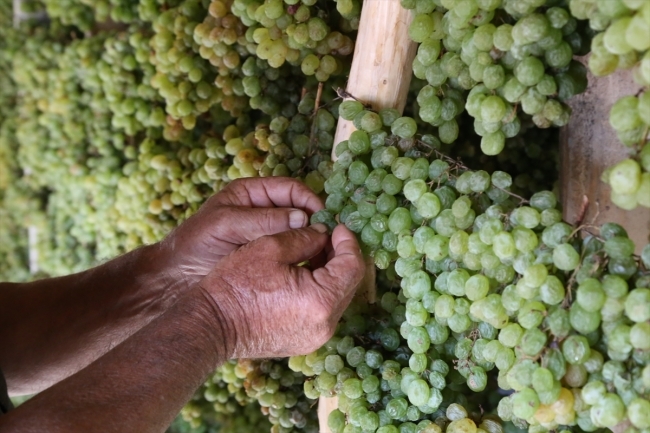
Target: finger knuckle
point(236, 183)
point(222, 217)
point(268, 220)
point(323, 334)
point(273, 245)
point(321, 314)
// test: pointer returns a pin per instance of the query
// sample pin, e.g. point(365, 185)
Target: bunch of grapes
point(300, 146)
point(122, 78)
point(182, 78)
point(216, 407)
point(622, 40)
point(20, 206)
point(298, 33)
point(513, 57)
point(119, 11)
point(269, 386)
point(71, 13)
point(257, 49)
point(630, 178)
point(64, 142)
point(494, 285)
point(380, 385)
point(90, 15)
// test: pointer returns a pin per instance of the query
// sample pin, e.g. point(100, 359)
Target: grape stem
point(457, 164)
point(344, 94)
point(583, 211)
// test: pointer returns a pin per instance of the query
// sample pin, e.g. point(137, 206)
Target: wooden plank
point(383, 60)
point(380, 76)
point(19, 15)
point(588, 146)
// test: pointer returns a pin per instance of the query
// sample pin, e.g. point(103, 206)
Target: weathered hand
point(242, 212)
point(271, 306)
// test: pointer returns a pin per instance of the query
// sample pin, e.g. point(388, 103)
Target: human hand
point(243, 211)
point(273, 308)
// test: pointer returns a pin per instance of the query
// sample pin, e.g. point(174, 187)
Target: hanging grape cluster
point(513, 57)
point(495, 286)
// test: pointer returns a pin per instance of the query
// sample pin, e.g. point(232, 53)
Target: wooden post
point(588, 146)
point(380, 76)
point(20, 16)
point(383, 60)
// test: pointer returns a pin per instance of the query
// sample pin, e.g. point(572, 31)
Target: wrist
point(211, 318)
point(176, 264)
point(155, 266)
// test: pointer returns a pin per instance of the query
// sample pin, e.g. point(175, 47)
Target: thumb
point(343, 273)
point(293, 246)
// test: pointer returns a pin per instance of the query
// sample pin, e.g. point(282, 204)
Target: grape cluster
point(267, 385)
point(501, 61)
point(630, 180)
point(90, 15)
point(380, 385)
point(13, 245)
point(72, 13)
point(257, 49)
point(622, 40)
point(182, 78)
point(300, 146)
point(122, 78)
point(218, 409)
point(493, 285)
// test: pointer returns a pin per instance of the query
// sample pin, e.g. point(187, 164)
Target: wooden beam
point(380, 76)
point(588, 146)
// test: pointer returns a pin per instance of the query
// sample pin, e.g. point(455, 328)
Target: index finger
point(270, 192)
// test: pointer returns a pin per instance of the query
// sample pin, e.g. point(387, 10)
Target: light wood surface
point(383, 57)
point(588, 146)
point(380, 76)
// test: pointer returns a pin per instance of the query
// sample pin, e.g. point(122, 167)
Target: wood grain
point(383, 57)
point(380, 76)
point(588, 146)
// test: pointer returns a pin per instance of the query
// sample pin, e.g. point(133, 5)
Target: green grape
point(349, 109)
point(637, 308)
point(493, 109)
point(511, 334)
point(421, 27)
point(565, 257)
point(637, 413)
point(576, 349)
point(590, 295)
point(525, 403)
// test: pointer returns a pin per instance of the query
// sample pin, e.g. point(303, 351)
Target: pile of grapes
point(119, 118)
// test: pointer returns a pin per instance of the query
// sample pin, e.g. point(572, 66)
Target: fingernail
point(320, 228)
point(297, 219)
